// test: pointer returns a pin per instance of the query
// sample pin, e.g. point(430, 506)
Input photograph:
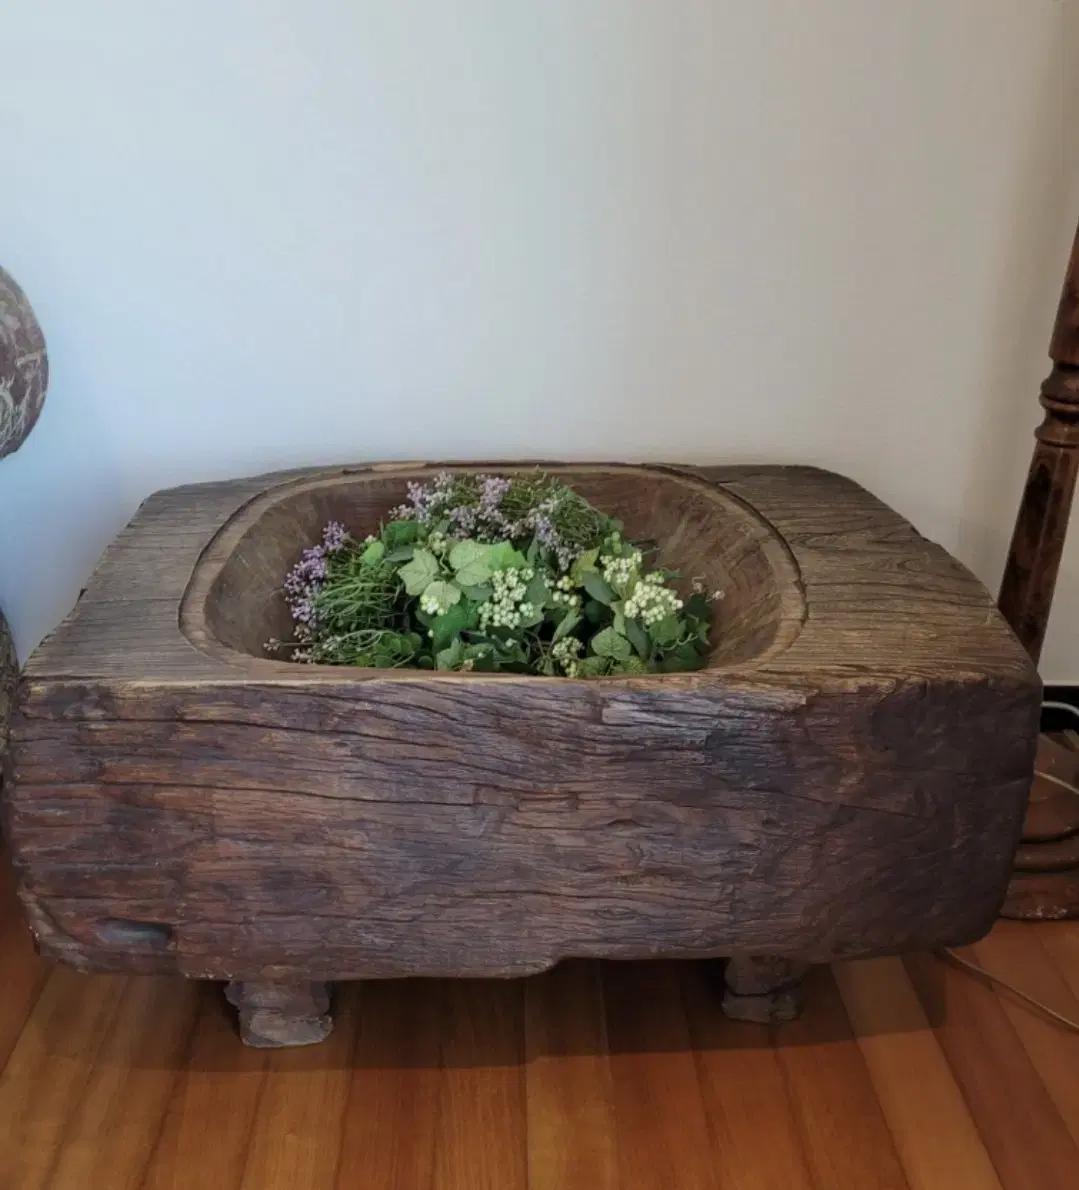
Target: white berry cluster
point(432, 604)
point(438, 544)
point(564, 653)
point(507, 606)
point(618, 571)
point(563, 594)
point(651, 601)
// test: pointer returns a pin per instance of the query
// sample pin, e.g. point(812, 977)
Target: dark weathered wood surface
point(847, 777)
point(277, 1015)
point(763, 991)
point(24, 366)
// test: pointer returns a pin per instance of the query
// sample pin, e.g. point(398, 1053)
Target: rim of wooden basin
point(234, 600)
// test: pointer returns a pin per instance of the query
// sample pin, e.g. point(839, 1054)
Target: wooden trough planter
point(847, 776)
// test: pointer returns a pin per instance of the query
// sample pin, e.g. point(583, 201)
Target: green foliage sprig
point(494, 574)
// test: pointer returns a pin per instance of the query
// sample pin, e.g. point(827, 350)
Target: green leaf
point(638, 638)
point(443, 593)
point(373, 554)
point(466, 553)
point(448, 625)
point(531, 621)
point(584, 563)
point(452, 657)
point(595, 611)
point(482, 658)
point(471, 561)
point(566, 626)
point(609, 644)
point(401, 554)
point(536, 592)
point(418, 574)
point(698, 607)
point(504, 557)
point(597, 588)
point(619, 624)
point(400, 533)
point(593, 667)
point(478, 594)
point(474, 575)
point(667, 631)
point(682, 659)
point(631, 665)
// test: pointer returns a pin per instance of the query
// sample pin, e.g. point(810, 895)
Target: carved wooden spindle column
point(1043, 888)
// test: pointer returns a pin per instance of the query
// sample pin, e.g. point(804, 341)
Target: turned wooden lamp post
point(1046, 884)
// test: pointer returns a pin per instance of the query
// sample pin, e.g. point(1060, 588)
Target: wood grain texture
point(212, 1109)
point(1023, 1132)
point(111, 1135)
point(937, 1141)
point(844, 1133)
point(477, 1143)
point(755, 1138)
point(48, 1070)
point(539, 1086)
point(845, 778)
point(662, 1135)
point(392, 1113)
point(299, 1123)
point(571, 1119)
point(24, 972)
point(1054, 1052)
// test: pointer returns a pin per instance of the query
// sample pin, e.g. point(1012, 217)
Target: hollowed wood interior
point(701, 532)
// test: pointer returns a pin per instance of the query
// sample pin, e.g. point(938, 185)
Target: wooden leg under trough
point(763, 990)
point(274, 1014)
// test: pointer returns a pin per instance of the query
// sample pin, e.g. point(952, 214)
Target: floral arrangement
point(487, 573)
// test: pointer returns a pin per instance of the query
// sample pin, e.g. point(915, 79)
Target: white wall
point(269, 232)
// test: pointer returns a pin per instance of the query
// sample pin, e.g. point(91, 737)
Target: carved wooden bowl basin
point(846, 776)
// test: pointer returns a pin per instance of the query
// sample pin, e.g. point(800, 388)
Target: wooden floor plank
point(846, 1137)
point(480, 1139)
point(212, 1108)
point(112, 1133)
point(620, 1075)
point(395, 1084)
point(299, 1121)
point(22, 972)
point(571, 1122)
point(1060, 940)
point(1016, 954)
point(756, 1144)
point(1020, 1126)
point(662, 1135)
point(935, 1136)
point(48, 1069)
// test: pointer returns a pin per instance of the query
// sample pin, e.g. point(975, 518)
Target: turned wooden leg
point(1045, 887)
point(763, 990)
point(275, 1013)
